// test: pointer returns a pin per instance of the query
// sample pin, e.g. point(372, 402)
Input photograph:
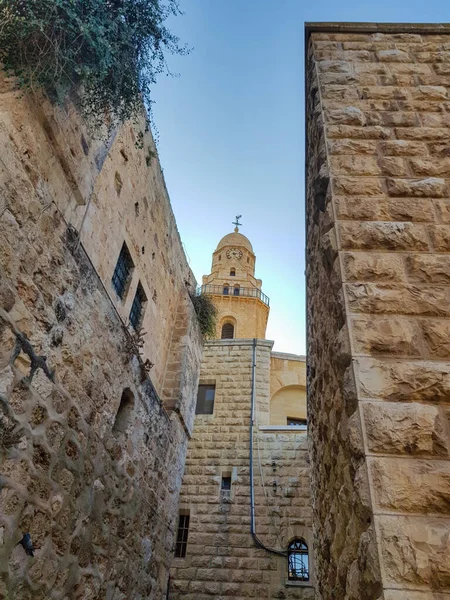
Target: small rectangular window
point(226, 484)
point(182, 536)
point(122, 272)
point(137, 308)
point(205, 399)
point(301, 423)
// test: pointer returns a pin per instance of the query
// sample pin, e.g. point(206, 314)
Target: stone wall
point(287, 387)
point(93, 479)
point(378, 309)
point(222, 559)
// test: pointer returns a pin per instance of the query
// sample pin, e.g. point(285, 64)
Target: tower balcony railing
point(233, 290)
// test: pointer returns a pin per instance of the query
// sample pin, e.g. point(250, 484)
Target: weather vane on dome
point(237, 223)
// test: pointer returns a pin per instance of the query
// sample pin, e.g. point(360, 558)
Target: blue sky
point(231, 133)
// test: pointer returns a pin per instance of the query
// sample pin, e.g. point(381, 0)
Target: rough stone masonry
point(92, 447)
point(378, 279)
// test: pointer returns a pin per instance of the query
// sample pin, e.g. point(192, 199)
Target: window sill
point(292, 583)
point(290, 428)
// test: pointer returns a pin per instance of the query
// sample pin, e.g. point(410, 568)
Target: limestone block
point(428, 166)
point(369, 266)
point(433, 187)
point(349, 115)
point(412, 381)
point(403, 148)
point(393, 55)
point(361, 133)
point(368, 186)
point(415, 551)
point(404, 429)
point(388, 298)
point(437, 337)
point(384, 209)
point(386, 236)
point(427, 268)
point(422, 133)
point(351, 147)
point(417, 486)
point(386, 336)
point(354, 165)
point(385, 92)
point(440, 236)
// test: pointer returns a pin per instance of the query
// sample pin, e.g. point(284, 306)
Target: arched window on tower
point(226, 289)
point(236, 290)
point(227, 331)
point(123, 416)
point(298, 560)
point(232, 272)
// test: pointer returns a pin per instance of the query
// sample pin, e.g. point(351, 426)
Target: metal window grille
point(298, 560)
point(122, 271)
point(227, 331)
point(301, 423)
point(225, 290)
point(236, 291)
point(182, 536)
point(205, 400)
point(137, 307)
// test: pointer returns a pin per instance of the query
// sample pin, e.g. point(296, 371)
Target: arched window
point(227, 331)
point(232, 272)
point(226, 289)
point(298, 560)
point(236, 290)
point(124, 412)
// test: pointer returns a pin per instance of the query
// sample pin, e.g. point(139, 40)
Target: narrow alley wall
point(91, 462)
point(378, 308)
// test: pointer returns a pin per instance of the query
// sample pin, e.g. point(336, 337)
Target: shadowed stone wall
point(378, 309)
point(95, 481)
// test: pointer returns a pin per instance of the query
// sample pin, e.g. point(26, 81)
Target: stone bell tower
point(243, 308)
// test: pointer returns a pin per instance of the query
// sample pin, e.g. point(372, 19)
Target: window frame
point(138, 307)
point(208, 387)
point(123, 272)
point(298, 548)
point(227, 324)
point(181, 540)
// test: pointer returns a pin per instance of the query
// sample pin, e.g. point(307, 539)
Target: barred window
point(298, 560)
point(294, 422)
point(137, 308)
point(182, 536)
point(122, 272)
point(227, 331)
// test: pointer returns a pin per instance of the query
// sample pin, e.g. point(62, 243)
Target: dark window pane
point(122, 271)
point(205, 400)
point(138, 305)
point(236, 291)
point(226, 483)
point(228, 331)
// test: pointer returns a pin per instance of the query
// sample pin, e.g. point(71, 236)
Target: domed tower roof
point(235, 239)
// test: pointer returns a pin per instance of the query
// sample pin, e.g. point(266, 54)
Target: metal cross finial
point(237, 221)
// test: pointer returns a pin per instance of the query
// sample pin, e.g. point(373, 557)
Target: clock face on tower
point(234, 253)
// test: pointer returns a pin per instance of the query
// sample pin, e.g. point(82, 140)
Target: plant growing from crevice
point(108, 53)
point(206, 312)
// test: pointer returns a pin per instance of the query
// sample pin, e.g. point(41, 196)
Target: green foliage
point(206, 314)
point(111, 51)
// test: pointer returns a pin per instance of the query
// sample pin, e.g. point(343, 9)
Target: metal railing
point(233, 290)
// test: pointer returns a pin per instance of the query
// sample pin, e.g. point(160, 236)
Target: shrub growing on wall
point(206, 314)
point(110, 50)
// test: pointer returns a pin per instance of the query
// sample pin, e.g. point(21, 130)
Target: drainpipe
point(258, 543)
